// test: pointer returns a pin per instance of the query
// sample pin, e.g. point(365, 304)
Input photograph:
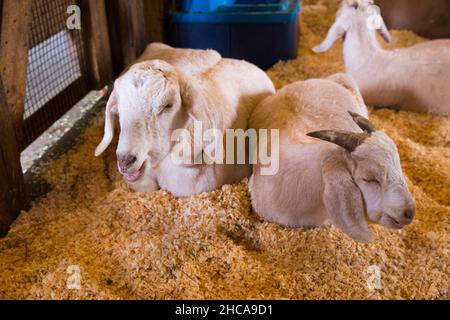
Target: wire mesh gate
point(57, 67)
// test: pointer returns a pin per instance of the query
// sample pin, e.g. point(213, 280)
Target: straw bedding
point(154, 246)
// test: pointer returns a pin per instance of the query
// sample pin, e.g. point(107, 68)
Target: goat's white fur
point(319, 182)
point(197, 85)
point(416, 78)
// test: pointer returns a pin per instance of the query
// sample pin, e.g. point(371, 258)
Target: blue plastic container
point(203, 6)
point(259, 31)
point(213, 5)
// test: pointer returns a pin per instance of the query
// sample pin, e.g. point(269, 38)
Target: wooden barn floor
point(145, 246)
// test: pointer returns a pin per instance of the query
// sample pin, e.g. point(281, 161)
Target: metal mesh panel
point(56, 67)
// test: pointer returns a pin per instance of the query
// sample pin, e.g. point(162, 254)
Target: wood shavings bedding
point(152, 246)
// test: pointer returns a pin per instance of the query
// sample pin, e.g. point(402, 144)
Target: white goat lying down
point(153, 98)
point(415, 78)
point(358, 174)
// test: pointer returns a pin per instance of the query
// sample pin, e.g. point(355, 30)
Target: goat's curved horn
point(347, 140)
point(363, 123)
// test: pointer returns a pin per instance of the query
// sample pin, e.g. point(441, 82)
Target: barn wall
point(429, 19)
point(132, 25)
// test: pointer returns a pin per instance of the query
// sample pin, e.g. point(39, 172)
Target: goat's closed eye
point(162, 109)
point(371, 180)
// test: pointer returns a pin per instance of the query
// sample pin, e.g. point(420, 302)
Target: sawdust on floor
point(153, 246)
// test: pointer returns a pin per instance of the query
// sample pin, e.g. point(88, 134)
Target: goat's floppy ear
point(111, 110)
point(345, 139)
point(384, 32)
point(196, 107)
point(336, 31)
point(343, 200)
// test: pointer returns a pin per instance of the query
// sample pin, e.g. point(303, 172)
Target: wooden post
point(15, 26)
point(11, 177)
point(133, 34)
point(128, 30)
point(138, 30)
point(16, 19)
point(155, 19)
point(133, 24)
point(95, 24)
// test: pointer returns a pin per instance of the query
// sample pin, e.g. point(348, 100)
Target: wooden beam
point(132, 33)
point(16, 19)
point(1, 15)
point(138, 26)
point(128, 35)
point(96, 33)
point(155, 12)
point(11, 178)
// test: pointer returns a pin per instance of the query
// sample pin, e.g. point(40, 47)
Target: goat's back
point(189, 61)
point(306, 106)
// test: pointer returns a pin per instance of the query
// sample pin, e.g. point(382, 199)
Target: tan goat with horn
point(351, 177)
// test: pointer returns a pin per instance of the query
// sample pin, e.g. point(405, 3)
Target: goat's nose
point(126, 161)
point(409, 213)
